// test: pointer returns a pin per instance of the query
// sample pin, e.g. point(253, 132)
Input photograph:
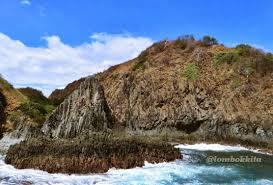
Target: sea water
point(193, 169)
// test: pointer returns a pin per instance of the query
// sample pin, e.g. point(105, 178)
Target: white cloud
point(25, 2)
point(57, 64)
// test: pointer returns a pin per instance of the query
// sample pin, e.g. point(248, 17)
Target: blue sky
point(40, 27)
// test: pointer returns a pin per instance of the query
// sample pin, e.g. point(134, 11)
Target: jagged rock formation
point(59, 95)
point(84, 111)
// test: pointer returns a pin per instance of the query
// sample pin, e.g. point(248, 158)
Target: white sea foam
point(176, 172)
point(7, 141)
point(211, 147)
point(150, 174)
point(218, 148)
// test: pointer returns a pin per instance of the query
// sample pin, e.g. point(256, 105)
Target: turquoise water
point(193, 169)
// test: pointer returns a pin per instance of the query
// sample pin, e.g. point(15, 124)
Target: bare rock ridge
point(59, 95)
point(84, 111)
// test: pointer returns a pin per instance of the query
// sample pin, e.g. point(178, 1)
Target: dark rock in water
point(93, 155)
point(84, 111)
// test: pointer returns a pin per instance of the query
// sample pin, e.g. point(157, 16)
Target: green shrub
point(183, 41)
point(246, 67)
point(35, 111)
point(191, 72)
point(229, 58)
point(209, 41)
point(5, 84)
point(138, 65)
point(34, 95)
point(182, 44)
point(142, 58)
point(246, 60)
point(264, 64)
point(254, 60)
point(243, 50)
point(49, 108)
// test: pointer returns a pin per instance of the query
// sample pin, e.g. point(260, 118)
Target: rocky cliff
point(211, 92)
point(85, 110)
point(203, 90)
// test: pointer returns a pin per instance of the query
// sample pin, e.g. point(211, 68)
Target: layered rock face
point(84, 111)
point(150, 92)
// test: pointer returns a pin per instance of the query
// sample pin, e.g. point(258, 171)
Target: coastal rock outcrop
point(84, 111)
point(90, 155)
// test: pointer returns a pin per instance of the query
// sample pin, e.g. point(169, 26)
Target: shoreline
point(114, 151)
point(163, 172)
point(174, 144)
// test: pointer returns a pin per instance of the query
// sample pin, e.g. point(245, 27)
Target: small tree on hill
point(209, 41)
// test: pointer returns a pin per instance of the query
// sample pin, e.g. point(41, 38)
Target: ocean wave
point(218, 148)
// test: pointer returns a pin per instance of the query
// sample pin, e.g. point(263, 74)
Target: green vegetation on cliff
point(25, 102)
point(38, 107)
point(34, 95)
point(12, 95)
point(245, 60)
